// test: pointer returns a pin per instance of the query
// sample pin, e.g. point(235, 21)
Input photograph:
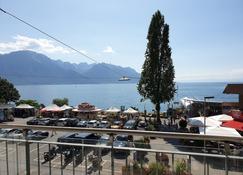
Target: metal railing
point(23, 156)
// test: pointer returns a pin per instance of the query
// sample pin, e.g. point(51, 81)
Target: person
point(53, 132)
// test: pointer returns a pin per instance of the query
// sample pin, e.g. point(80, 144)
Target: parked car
point(130, 124)
point(44, 121)
point(15, 134)
point(117, 124)
point(86, 138)
point(62, 122)
point(4, 132)
point(92, 124)
point(82, 124)
point(142, 125)
point(72, 122)
point(104, 141)
point(104, 124)
point(37, 135)
point(121, 141)
point(33, 121)
point(53, 122)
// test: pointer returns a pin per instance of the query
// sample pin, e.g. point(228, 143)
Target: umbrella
point(113, 110)
point(130, 111)
point(51, 108)
point(220, 131)
point(222, 117)
point(199, 121)
point(65, 107)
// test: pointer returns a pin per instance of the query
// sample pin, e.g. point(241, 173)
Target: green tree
point(33, 103)
point(157, 77)
point(60, 102)
point(8, 93)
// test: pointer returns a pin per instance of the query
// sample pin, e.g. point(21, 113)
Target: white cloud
point(83, 52)
point(35, 44)
point(108, 49)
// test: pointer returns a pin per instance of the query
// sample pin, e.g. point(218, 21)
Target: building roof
point(233, 89)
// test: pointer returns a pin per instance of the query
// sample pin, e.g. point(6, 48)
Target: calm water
point(106, 95)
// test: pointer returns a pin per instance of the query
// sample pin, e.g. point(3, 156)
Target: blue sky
point(206, 36)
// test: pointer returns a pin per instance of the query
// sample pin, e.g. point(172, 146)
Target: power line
point(58, 40)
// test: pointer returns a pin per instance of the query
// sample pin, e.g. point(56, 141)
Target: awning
point(199, 121)
point(24, 106)
point(51, 108)
point(130, 111)
point(234, 124)
point(219, 131)
point(113, 110)
point(222, 117)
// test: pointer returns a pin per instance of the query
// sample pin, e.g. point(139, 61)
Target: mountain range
point(28, 67)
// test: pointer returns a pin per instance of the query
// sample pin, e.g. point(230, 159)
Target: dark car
point(33, 121)
point(53, 122)
point(72, 122)
point(86, 138)
point(130, 124)
point(44, 121)
point(121, 141)
point(37, 135)
point(142, 125)
point(62, 122)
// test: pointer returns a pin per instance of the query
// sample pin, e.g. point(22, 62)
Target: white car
point(16, 134)
point(92, 124)
point(4, 132)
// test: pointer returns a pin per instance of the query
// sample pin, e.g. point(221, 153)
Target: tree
point(60, 102)
point(157, 77)
point(30, 102)
point(8, 93)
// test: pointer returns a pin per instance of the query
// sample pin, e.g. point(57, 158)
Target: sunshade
point(51, 108)
point(199, 121)
point(220, 131)
point(130, 111)
point(222, 117)
point(113, 110)
point(234, 124)
point(24, 106)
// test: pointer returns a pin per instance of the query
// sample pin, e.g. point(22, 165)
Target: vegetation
point(157, 77)
point(33, 103)
point(8, 93)
point(60, 102)
point(181, 167)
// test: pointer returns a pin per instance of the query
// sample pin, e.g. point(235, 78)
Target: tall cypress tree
point(157, 77)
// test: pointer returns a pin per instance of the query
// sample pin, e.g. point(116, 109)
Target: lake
point(106, 95)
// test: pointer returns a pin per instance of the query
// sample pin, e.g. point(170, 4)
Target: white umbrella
point(51, 108)
point(24, 106)
point(199, 121)
point(186, 101)
point(220, 131)
point(113, 110)
point(130, 111)
point(222, 117)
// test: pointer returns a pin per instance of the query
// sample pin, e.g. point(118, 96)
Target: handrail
point(172, 135)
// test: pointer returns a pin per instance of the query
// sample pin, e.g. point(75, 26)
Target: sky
point(206, 36)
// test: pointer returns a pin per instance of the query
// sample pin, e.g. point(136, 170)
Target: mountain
point(28, 67)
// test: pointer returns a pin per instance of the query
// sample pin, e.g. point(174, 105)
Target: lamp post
point(204, 124)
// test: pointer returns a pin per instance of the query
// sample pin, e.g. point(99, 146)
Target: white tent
point(130, 111)
point(113, 110)
point(199, 121)
point(222, 117)
point(24, 106)
point(65, 107)
point(220, 131)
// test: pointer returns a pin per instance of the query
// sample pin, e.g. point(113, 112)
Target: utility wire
point(57, 40)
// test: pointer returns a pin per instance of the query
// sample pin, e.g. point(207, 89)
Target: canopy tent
point(234, 124)
point(24, 106)
point(221, 117)
point(65, 107)
point(51, 108)
point(87, 110)
point(199, 121)
point(130, 111)
point(112, 110)
point(219, 131)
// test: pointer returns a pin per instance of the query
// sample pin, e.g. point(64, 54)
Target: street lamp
point(204, 113)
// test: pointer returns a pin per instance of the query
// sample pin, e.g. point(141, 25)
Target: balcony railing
point(167, 153)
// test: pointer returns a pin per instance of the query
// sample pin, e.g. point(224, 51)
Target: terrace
point(164, 155)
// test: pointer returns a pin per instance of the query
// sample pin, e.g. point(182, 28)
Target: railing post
point(227, 152)
point(61, 147)
point(7, 157)
point(173, 163)
point(49, 148)
point(100, 159)
point(17, 158)
point(189, 163)
point(38, 157)
point(73, 154)
point(27, 152)
point(112, 155)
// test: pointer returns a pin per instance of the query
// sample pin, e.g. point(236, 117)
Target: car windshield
point(121, 138)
